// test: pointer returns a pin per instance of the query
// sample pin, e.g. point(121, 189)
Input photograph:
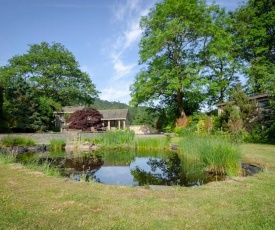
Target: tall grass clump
point(218, 155)
point(151, 142)
point(44, 167)
point(57, 144)
point(7, 158)
point(9, 141)
point(118, 139)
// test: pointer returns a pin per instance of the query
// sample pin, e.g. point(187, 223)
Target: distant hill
point(137, 115)
point(103, 104)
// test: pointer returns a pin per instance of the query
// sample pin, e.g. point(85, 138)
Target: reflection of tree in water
point(86, 165)
point(173, 171)
point(170, 171)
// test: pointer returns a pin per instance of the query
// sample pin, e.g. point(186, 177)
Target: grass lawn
point(32, 200)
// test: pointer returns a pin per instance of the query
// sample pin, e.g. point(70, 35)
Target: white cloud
point(118, 91)
point(122, 45)
point(131, 35)
point(122, 69)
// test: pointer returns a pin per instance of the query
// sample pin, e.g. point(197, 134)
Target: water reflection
point(126, 167)
point(161, 171)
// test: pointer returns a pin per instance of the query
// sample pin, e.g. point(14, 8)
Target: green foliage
point(35, 84)
point(254, 33)
point(152, 143)
point(7, 158)
point(26, 112)
point(9, 141)
point(182, 131)
point(103, 104)
point(44, 167)
point(218, 154)
point(238, 116)
point(118, 139)
point(145, 117)
point(170, 48)
point(57, 144)
point(220, 65)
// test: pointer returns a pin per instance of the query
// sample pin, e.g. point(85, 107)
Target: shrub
point(9, 141)
point(183, 132)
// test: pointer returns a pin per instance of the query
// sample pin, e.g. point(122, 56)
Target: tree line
point(193, 56)
point(196, 55)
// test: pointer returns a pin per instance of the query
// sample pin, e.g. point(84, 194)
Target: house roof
point(71, 109)
point(108, 114)
point(114, 114)
point(259, 97)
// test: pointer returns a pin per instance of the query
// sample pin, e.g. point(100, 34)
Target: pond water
point(135, 168)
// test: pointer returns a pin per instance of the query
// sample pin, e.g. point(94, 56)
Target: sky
point(103, 35)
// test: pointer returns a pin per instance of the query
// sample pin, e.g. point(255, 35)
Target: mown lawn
point(32, 200)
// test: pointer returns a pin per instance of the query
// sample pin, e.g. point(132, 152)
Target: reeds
point(57, 144)
point(218, 155)
point(118, 139)
point(151, 143)
point(7, 158)
point(9, 141)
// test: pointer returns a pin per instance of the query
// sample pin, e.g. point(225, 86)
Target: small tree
point(85, 119)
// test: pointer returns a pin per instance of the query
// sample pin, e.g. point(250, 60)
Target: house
point(262, 102)
point(115, 118)
point(112, 118)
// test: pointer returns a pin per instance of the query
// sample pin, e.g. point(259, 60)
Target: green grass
point(9, 141)
point(148, 143)
point(218, 155)
point(117, 139)
point(57, 144)
point(32, 200)
point(30, 161)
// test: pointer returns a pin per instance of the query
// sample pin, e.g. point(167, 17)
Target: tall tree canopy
point(255, 34)
point(220, 64)
point(53, 72)
point(52, 78)
point(181, 42)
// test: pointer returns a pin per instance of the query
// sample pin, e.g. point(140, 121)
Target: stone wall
point(141, 129)
point(45, 138)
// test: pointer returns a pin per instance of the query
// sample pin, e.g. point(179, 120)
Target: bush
point(9, 141)
point(183, 132)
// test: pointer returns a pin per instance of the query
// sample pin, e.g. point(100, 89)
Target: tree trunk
point(180, 104)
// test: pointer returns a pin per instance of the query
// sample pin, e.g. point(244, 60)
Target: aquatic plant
point(151, 142)
point(9, 141)
point(57, 144)
point(7, 158)
point(118, 139)
point(218, 155)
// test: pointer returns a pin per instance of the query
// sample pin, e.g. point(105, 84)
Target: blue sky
point(103, 35)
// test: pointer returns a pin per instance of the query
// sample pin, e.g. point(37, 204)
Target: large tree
point(171, 48)
point(53, 72)
point(255, 35)
point(52, 77)
point(219, 59)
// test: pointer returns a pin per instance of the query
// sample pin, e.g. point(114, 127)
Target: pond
point(134, 168)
